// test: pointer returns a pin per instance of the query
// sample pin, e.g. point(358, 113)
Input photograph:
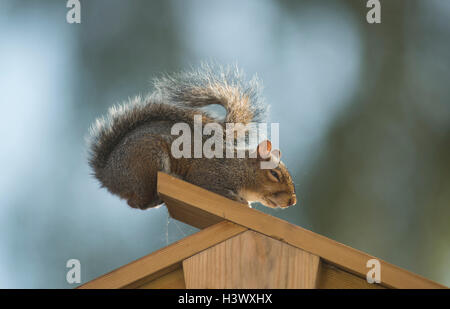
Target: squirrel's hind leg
point(146, 161)
point(134, 203)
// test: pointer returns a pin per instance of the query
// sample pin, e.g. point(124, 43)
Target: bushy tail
point(214, 84)
point(107, 131)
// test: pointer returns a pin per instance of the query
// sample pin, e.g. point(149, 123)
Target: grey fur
point(176, 89)
point(182, 89)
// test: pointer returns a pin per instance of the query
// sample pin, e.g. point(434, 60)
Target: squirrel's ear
point(264, 149)
point(276, 153)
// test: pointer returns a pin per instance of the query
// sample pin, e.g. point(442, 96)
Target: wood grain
point(251, 261)
point(165, 260)
point(172, 280)
point(331, 277)
point(198, 202)
point(186, 214)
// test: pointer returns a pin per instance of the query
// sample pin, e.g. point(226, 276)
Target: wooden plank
point(331, 277)
point(251, 261)
point(164, 260)
point(186, 214)
point(172, 280)
point(198, 201)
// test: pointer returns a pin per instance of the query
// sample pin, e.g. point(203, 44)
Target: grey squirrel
point(130, 145)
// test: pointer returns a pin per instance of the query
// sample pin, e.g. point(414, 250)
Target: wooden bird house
point(239, 247)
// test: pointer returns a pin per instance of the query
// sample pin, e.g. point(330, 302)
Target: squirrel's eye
point(275, 174)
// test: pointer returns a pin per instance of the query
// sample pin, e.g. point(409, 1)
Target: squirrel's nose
point(293, 200)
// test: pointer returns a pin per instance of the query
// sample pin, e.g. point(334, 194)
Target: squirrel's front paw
point(235, 197)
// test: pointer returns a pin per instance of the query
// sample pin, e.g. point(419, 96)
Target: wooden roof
point(222, 220)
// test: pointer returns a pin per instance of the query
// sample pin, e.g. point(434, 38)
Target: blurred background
point(364, 113)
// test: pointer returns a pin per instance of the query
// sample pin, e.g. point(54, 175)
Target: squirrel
point(133, 142)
